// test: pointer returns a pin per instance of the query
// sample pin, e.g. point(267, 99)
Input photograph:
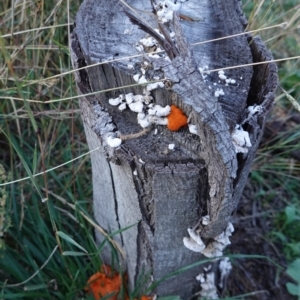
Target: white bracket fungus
point(136, 106)
point(116, 101)
point(159, 111)
point(208, 287)
point(212, 249)
point(219, 92)
point(253, 110)
point(240, 139)
point(229, 80)
point(113, 141)
point(193, 129)
point(122, 106)
point(155, 85)
point(194, 242)
point(136, 77)
point(142, 79)
point(225, 267)
point(205, 220)
point(222, 75)
point(171, 146)
point(203, 71)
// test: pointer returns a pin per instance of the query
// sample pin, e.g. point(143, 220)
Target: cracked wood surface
point(142, 181)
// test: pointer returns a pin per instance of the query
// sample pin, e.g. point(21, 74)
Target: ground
point(253, 221)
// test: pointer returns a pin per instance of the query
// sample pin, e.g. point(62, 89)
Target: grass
point(47, 246)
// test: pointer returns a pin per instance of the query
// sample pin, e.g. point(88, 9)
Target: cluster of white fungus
point(222, 76)
point(252, 111)
point(193, 129)
point(150, 42)
point(219, 92)
point(203, 71)
point(207, 279)
point(165, 9)
point(147, 112)
point(225, 267)
point(113, 141)
point(207, 283)
point(240, 139)
point(212, 249)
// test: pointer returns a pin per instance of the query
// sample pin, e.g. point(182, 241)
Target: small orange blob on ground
point(107, 282)
point(104, 283)
point(176, 118)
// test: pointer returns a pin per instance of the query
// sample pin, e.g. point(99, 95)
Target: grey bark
point(142, 182)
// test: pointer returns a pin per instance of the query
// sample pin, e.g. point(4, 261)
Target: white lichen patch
point(240, 139)
point(208, 287)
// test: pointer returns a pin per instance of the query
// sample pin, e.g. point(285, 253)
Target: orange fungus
point(176, 118)
point(104, 283)
point(107, 282)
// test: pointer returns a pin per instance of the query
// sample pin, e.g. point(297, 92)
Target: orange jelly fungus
point(107, 282)
point(176, 118)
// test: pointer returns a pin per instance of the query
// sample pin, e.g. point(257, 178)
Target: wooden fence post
point(146, 172)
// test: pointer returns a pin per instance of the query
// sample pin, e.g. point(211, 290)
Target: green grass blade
point(70, 240)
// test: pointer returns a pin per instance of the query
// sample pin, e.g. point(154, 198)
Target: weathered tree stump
point(164, 191)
